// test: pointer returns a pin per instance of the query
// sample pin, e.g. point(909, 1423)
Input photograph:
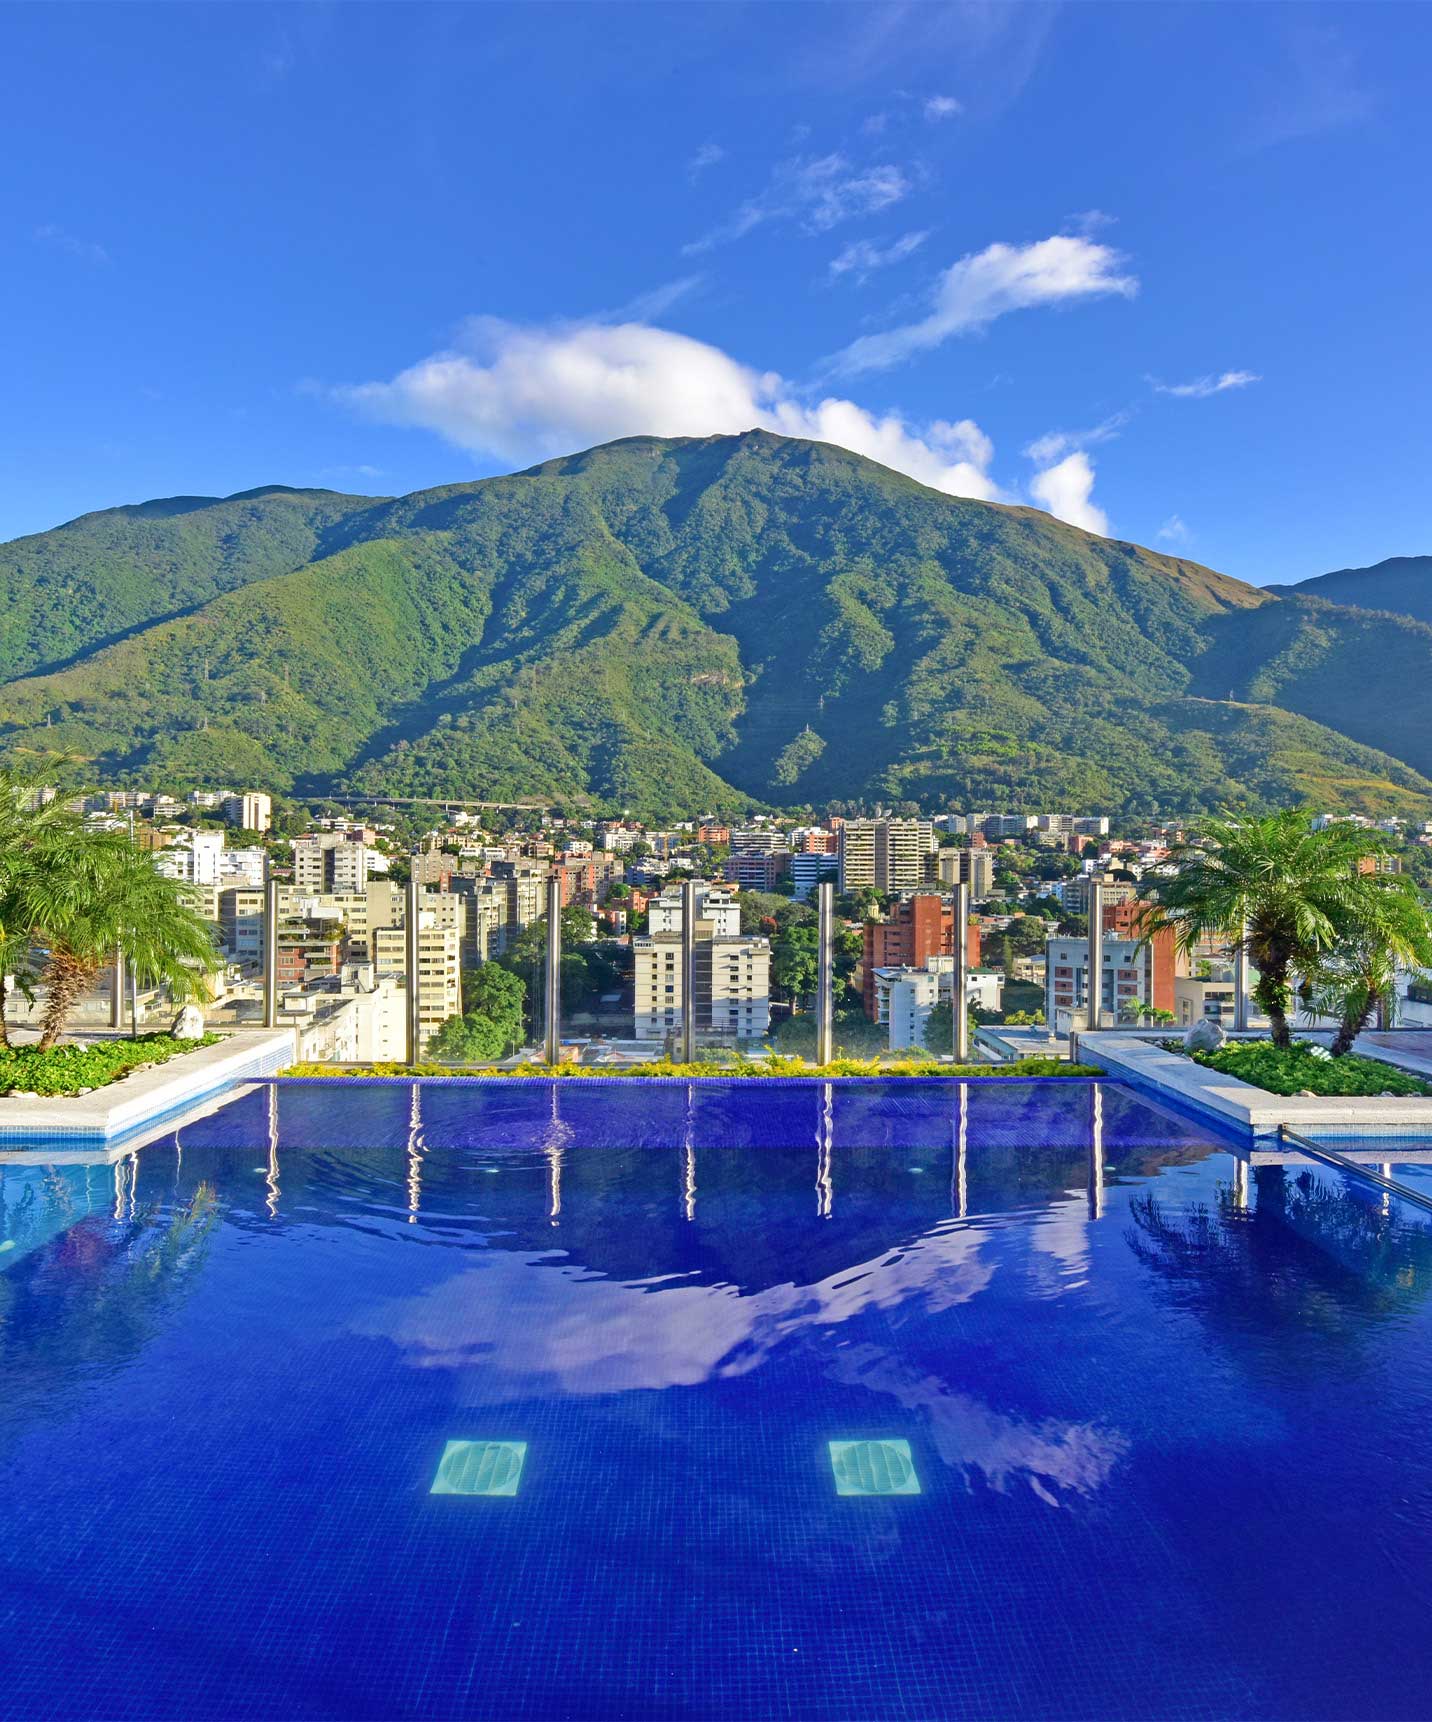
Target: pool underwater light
point(873, 1468)
point(480, 1468)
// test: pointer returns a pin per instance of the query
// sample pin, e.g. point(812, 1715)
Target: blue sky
point(1164, 269)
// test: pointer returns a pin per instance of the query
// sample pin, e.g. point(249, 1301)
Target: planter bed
point(782, 1069)
point(1303, 1069)
point(79, 1068)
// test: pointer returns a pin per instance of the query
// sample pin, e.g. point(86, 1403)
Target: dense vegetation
point(661, 625)
point(735, 1068)
point(1305, 1069)
point(77, 1069)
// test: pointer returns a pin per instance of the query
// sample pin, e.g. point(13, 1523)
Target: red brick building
point(918, 928)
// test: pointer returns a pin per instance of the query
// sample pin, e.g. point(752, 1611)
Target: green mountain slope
point(670, 624)
point(67, 591)
point(1402, 584)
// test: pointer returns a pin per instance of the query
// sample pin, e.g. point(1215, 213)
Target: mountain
point(669, 625)
point(1401, 584)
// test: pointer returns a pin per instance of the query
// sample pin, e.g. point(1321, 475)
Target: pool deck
point(113, 1116)
point(1385, 1123)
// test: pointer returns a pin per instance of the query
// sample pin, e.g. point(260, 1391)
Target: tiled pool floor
point(1168, 1450)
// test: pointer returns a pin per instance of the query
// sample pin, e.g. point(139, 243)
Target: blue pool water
point(1171, 1445)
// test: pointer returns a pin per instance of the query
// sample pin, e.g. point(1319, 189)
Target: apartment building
point(808, 868)
point(756, 869)
point(250, 810)
point(732, 971)
point(972, 867)
point(1134, 972)
point(888, 854)
point(330, 863)
point(485, 930)
point(439, 966)
point(904, 997)
point(525, 882)
point(917, 929)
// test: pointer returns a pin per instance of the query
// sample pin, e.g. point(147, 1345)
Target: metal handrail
point(1341, 1163)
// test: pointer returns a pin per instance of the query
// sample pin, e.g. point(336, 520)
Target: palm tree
point(28, 820)
point(1387, 926)
point(83, 895)
point(1271, 884)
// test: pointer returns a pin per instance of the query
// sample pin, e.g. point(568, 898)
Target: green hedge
point(66, 1070)
point(1299, 1069)
point(741, 1069)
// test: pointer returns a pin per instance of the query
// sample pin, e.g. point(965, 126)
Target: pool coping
point(144, 1098)
point(1255, 1111)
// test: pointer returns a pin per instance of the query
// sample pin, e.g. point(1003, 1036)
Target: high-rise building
point(251, 810)
point(917, 929)
point(888, 854)
point(439, 968)
point(732, 971)
point(485, 930)
point(330, 861)
point(1135, 971)
point(972, 867)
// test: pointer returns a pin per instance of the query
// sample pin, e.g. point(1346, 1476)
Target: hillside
point(1401, 584)
point(671, 624)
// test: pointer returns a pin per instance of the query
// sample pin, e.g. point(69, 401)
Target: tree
point(1270, 883)
point(27, 822)
point(492, 1021)
point(1387, 925)
point(82, 895)
point(794, 963)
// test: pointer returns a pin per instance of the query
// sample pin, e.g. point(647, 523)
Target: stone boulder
point(1205, 1036)
point(189, 1024)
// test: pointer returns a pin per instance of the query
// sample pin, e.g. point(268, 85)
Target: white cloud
point(1202, 387)
point(987, 284)
point(655, 301)
point(1174, 531)
point(942, 107)
point(818, 192)
point(1053, 445)
point(524, 393)
point(85, 249)
point(1065, 490)
point(861, 258)
point(707, 156)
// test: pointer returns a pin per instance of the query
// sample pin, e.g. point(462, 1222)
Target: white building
point(439, 967)
point(733, 972)
point(1128, 980)
point(251, 810)
point(195, 857)
point(904, 997)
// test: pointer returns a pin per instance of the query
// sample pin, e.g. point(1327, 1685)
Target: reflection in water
point(1096, 1150)
point(518, 1328)
point(824, 1171)
point(1313, 1251)
point(271, 1201)
point(969, 1435)
point(960, 1182)
point(108, 1287)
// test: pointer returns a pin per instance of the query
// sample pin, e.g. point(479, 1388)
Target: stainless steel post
point(1094, 987)
point(825, 972)
point(411, 915)
point(271, 953)
point(553, 1047)
point(1240, 982)
point(960, 976)
point(688, 971)
point(116, 996)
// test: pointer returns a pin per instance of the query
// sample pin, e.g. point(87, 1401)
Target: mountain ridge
point(676, 623)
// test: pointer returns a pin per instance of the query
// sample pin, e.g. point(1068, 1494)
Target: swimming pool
point(801, 1400)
